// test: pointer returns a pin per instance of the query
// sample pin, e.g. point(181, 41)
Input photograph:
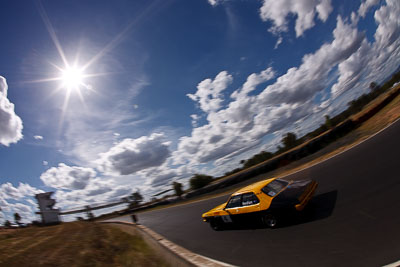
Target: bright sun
point(72, 78)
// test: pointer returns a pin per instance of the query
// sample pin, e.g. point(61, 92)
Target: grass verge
point(75, 244)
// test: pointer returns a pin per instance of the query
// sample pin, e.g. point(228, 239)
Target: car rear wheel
point(269, 220)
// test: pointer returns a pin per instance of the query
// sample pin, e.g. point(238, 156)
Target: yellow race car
point(265, 201)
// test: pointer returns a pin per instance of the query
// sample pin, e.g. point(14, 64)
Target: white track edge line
point(394, 264)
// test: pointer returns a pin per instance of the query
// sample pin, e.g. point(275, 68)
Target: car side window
point(234, 202)
point(249, 199)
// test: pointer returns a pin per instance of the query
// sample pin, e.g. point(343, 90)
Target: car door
point(242, 207)
point(232, 208)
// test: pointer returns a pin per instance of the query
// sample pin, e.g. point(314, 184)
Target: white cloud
point(160, 178)
point(248, 119)
point(375, 61)
point(28, 190)
point(227, 130)
point(324, 8)
point(119, 192)
point(165, 178)
point(215, 2)
point(8, 191)
point(32, 202)
point(98, 186)
point(38, 137)
point(10, 123)
point(133, 155)
point(67, 200)
point(67, 177)
point(96, 192)
point(387, 33)
point(24, 192)
point(278, 42)
point(45, 163)
point(367, 4)
point(302, 83)
point(350, 70)
point(195, 119)
point(208, 92)
point(3, 204)
point(305, 10)
point(253, 81)
point(22, 208)
point(25, 211)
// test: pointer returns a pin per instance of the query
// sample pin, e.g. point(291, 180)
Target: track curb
point(171, 252)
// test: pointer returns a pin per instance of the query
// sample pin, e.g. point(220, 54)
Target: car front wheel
point(215, 225)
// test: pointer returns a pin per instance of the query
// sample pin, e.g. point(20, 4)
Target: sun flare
point(72, 78)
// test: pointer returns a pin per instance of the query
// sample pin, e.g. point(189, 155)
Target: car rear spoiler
point(306, 196)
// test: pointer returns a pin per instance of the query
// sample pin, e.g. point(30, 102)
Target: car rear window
point(274, 187)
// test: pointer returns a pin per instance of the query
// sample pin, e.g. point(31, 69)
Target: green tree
point(328, 122)
point(90, 216)
point(373, 86)
point(17, 218)
point(89, 213)
point(258, 158)
point(234, 171)
point(289, 141)
point(178, 188)
point(135, 199)
point(7, 224)
point(199, 181)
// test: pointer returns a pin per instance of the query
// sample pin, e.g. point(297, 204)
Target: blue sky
point(166, 89)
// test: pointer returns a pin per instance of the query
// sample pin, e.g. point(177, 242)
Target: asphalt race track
point(353, 220)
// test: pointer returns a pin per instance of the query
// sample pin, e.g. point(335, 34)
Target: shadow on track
point(320, 207)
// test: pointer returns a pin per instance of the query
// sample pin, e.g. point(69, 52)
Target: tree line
point(17, 220)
